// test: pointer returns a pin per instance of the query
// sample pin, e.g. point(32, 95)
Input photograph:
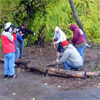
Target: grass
point(98, 69)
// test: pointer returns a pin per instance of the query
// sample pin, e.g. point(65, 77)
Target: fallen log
point(54, 71)
point(1, 60)
point(17, 62)
point(93, 73)
point(66, 73)
point(57, 72)
point(34, 67)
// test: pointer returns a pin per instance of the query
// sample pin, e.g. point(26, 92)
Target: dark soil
point(46, 55)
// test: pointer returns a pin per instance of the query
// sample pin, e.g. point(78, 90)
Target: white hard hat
point(7, 25)
point(16, 29)
point(57, 28)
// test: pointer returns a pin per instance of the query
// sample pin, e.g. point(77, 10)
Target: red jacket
point(8, 42)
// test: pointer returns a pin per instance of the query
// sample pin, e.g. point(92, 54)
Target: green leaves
point(42, 16)
point(89, 14)
point(56, 16)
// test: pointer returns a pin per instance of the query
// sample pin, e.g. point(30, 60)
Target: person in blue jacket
point(18, 40)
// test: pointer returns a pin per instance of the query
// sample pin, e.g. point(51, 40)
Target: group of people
point(10, 44)
point(70, 54)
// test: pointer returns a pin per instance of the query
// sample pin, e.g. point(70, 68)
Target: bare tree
point(76, 15)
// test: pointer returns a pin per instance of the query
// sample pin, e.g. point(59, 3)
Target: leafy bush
point(42, 16)
point(56, 15)
point(89, 15)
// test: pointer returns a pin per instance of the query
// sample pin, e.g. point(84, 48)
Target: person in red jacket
point(8, 45)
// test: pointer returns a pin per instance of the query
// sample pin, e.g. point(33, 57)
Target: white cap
point(16, 29)
point(7, 25)
point(57, 28)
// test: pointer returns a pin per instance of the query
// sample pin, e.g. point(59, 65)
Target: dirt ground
point(46, 55)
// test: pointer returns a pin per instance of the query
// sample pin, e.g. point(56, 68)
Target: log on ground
point(57, 72)
point(34, 67)
point(54, 71)
point(17, 62)
point(66, 73)
point(93, 73)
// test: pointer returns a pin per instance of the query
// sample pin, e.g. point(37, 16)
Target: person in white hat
point(9, 50)
point(60, 35)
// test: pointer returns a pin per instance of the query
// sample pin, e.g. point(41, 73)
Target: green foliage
point(8, 10)
point(98, 68)
point(42, 16)
point(56, 15)
point(89, 14)
point(92, 66)
point(0, 44)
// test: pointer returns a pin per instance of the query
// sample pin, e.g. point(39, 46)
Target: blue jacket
point(19, 39)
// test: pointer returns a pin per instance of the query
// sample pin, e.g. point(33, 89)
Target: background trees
point(42, 16)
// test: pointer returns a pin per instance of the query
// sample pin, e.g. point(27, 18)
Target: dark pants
point(21, 43)
point(60, 48)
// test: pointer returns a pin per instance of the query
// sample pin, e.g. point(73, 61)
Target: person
point(24, 30)
point(9, 50)
point(19, 38)
point(87, 45)
point(78, 39)
point(70, 57)
point(60, 35)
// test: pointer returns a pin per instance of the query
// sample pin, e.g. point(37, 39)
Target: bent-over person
point(70, 57)
point(60, 35)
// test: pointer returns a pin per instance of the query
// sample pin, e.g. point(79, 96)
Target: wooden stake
point(54, 46)
point(57, 65)
point(40, 51)
point(39, 59)
point(52, 54)
point(29, 50)
point(19, 70)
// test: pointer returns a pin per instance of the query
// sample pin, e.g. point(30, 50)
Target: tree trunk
point(50, 71)
point(66, 73)
point(17, 62)
point(76, 15)
point(54, 71)
point(93, 73)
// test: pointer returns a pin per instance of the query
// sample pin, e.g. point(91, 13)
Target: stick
point(40, 51)
point(29, 49)
point(57, 65)
point(54, 46)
